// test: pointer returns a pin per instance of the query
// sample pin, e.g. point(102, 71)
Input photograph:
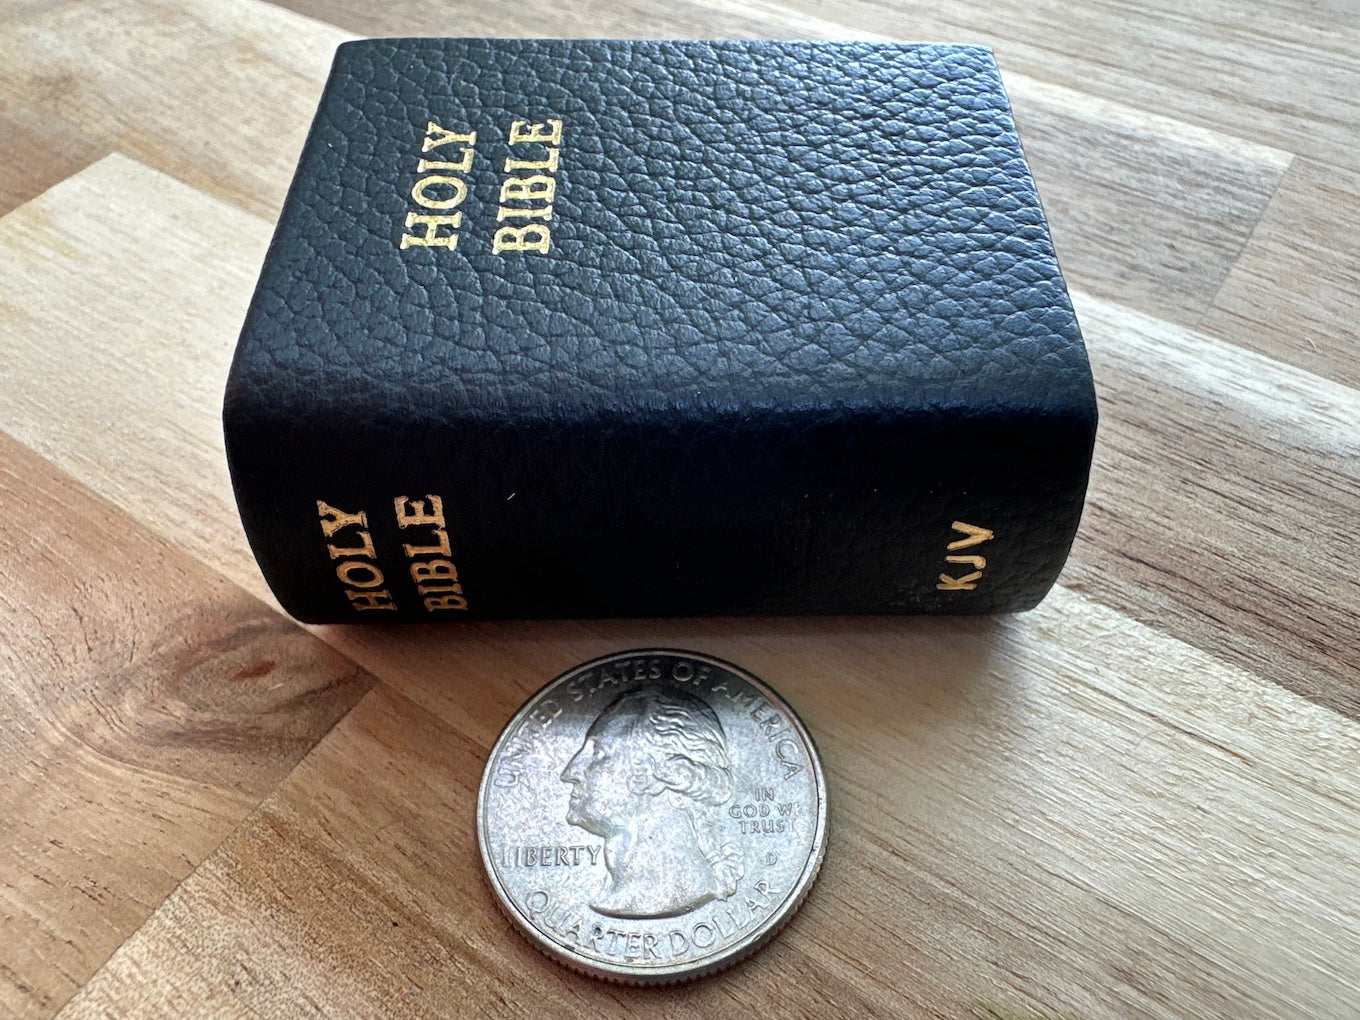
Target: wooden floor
point(1140, 800)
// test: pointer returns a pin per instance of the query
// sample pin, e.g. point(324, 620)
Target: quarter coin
point(652, 816)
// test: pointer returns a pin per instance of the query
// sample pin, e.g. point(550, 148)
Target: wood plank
point(1223, 502)
point(1294, 292)
point(149, 705)
point(51, 151)
point(412, 662)
point(1142, 207)
point(217, 95)
point(357, 891)
point(1117, 805)
point(603, 19)
point(1062, 813)
point(93, 283)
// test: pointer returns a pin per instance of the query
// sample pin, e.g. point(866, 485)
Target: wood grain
point(217, 95)
point(116, 357)
point(1153, 211)
point(1159, 552)
point(650, 19)
point(148, 707)
point(1143, 208)
point(1281, 74)
point(52, 151)
point(1293, 294)
point(1245, 545)
point(1138, 800)
point(1140, 850)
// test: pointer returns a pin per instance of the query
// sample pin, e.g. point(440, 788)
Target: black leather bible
point(584, 328)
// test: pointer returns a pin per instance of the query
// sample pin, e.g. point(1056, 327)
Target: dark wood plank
point(40, 149)
point(149, 706)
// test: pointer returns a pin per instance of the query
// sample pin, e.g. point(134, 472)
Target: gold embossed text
point(529, 187)
point(967, 581)
point(440, 189)
point(350, 546)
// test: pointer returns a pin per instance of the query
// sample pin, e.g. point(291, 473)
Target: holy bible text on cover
point(579, 328)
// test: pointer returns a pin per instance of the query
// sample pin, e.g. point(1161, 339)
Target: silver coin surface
point(652, 816)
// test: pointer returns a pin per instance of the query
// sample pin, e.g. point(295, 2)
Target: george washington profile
point(649, 778)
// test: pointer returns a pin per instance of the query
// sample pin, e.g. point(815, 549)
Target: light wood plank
point(138, 284)
point(1214, 407)
point(1113, 806)
point(357, 891)
point(217, 95)
point(1063, 813)
point(603, 19)
point(1295, 292)
point(1142, 207)
point(148, 706)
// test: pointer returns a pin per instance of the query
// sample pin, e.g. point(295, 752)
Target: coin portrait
point(648, 778)
point(652, 816)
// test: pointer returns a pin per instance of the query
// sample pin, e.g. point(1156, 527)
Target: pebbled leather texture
point(800, 313)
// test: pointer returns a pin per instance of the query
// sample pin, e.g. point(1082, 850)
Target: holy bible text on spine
point(582, 328)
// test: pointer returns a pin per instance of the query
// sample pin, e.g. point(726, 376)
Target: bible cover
point(581, 328)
